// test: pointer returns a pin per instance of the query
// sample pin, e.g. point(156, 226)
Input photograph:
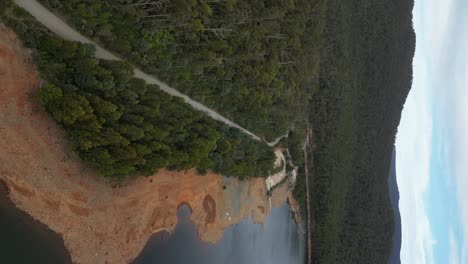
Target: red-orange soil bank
point(99, 223)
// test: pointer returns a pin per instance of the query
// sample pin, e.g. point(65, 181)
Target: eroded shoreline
point(99, 223)
point(17, 227)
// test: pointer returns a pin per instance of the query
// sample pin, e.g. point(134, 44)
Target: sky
point(432, 139)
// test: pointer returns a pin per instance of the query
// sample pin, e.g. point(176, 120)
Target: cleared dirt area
point(100, 223)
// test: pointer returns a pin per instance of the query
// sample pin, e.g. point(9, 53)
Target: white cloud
point(440, 77)
point(459, 110)
point(464, 253)
point(436, 16)
point(454, 257)
point(413, 168)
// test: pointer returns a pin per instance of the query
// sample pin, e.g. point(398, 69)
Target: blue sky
point(432, 142)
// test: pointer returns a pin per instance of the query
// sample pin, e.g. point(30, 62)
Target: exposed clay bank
point(278, 241)
point(25, 240)
point(98, 223)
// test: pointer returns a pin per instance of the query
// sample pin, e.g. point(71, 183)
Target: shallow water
point(25, 240)
point(278, 242)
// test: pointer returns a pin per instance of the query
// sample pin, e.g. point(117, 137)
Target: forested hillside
point(342, 67)
point(245, 59)
point(365, 76)
point(395, 199)
point(120, 125)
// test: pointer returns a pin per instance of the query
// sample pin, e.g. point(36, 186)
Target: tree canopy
point(123, 127)
point(342, 67)
point(365, 74)
point(245, 59)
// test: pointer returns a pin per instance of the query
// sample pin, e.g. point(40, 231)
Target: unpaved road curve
point(99, 222)
point(56, 25)
point(277, 140)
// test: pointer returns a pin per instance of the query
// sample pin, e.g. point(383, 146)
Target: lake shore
point(100, 223)
point(17, 228)
point(279, 240)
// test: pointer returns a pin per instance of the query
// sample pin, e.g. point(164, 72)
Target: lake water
point(278, 242)
point(24, 240)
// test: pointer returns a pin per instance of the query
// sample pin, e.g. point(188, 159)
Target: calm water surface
point(278, 242)
point(25, 240)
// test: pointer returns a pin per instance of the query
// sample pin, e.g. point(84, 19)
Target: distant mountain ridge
point(395, 198)
point(365, 75)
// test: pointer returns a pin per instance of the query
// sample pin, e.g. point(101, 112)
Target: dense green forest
point(342, 67)
point(365, 74)
point(120, 125)
point(256, 62)
point(245, 59)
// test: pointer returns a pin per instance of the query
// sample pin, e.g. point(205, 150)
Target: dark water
point(278, 242)
point(24, 240)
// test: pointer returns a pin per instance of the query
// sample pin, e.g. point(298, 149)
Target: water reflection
point(278, 242)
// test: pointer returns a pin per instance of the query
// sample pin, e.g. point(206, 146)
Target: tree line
point(122, 126)
point(245, 59)
point(365, 74)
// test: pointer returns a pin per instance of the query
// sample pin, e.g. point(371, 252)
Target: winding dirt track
point(100, 223)
point(54, 187)
point(59, 27)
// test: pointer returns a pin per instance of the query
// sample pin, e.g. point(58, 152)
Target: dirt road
point(99, 222)
point(59, 27)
